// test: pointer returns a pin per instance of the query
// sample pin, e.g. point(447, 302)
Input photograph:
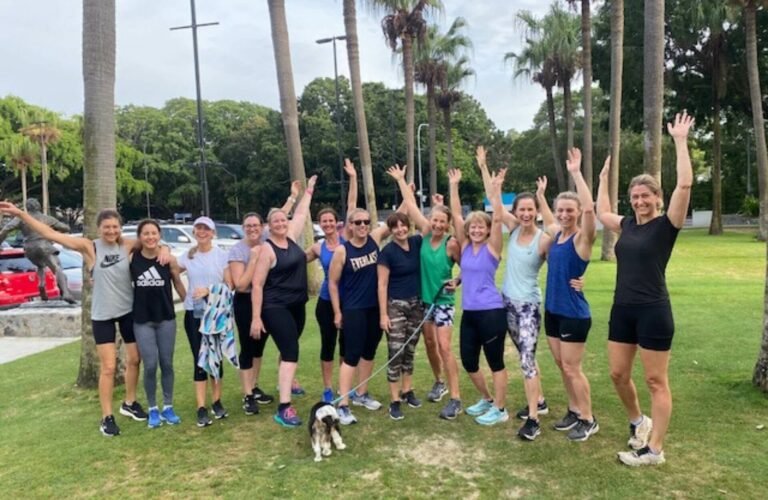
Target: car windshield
point(16, 264)
point(228, 231)
point(70, 260)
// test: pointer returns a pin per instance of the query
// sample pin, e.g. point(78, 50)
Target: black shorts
point(104, 331)
point(651, 326)
point(362, 334)
point(566, 329)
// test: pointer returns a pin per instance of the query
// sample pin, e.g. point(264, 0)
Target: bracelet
point(292, 199)
point(309, 191)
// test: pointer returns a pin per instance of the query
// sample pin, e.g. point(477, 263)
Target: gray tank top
point(112, 290)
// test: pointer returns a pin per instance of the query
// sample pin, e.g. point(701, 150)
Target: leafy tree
point(19, 151)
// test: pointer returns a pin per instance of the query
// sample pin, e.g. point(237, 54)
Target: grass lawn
point(50, 445)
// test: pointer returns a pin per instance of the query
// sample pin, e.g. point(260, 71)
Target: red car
point(18, 279)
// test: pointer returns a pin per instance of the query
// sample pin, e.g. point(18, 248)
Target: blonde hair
point(651, 183)
point(354, 212)
point(273, 211)
point(474, 218)
point(568, 195)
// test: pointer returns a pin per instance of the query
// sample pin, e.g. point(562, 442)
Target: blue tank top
point(564, 264)
point(325, 260)
point(521, 277)
point(478, 273)
point(359, 277)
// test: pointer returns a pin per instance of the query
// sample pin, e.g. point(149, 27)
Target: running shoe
point(395, 413)
point(134, 410)
point(250, 406)
point(541, 409)
point(109, 427)
point(492, 417)
point(437, 392)
point(365, 400)
point(643, 456)
point(169, 416)
point(203, 420)
point(479, 408)
point(153, 422)
point(583, 430)
point(297, 389)
point(410, 398)
point(327, 395)
point(261, 397)
point(451, 410)
point(640, 434)
point(345, 416)
point(287, 417)
point(568, 421)
point(529, 430)
point(218, 410)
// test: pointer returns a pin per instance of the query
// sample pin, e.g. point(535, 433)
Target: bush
point(750, 207)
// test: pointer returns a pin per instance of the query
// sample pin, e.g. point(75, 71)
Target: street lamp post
point(237, 188)
point(418, 148)
point(332, 40)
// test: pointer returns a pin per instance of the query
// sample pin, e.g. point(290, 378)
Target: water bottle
point(198, 308)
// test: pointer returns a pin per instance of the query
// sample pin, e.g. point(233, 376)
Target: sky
point(40, 50)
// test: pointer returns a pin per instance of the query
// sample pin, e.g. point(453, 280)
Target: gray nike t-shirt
point(112, 289)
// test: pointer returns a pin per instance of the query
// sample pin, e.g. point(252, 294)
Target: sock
point(283, 406)
point(637, 422)
point(165, 407)
point(154, 408)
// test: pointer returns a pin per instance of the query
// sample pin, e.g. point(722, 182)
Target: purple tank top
point(478, 280)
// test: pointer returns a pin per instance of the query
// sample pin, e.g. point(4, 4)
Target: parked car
point(18, 279)
point(72, 264)
point(229, 231)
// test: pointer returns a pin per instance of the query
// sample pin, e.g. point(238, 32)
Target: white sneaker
point(345, 416)
point(365, 400)
point(639, 434)
point(643, 456)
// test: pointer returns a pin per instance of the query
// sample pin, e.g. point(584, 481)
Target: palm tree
point(404, 25)
point(353, 54)
point(562, 29)
point(99, 183)
point(20, 152)
point(614, 120)
point(653, 85)
point(43, 133)
point(586, 73)
point(448, 95)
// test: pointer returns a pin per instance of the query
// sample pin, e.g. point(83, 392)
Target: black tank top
point(358, 278)
point(286, 282)
point(152, 296)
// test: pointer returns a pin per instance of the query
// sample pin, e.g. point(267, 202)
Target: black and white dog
point(324, 428)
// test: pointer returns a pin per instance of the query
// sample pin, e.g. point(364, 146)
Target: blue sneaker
point(168, 415)
point(492, 416)
point(297, 390)
point(327, 395)
point(287, 417)
point(154, 421)
point(479, 408)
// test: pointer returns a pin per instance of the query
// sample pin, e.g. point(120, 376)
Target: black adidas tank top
point(152, 296)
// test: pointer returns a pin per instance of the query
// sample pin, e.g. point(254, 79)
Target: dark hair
point(145, 222)
point(396, 217)
point(328, 210)
point(108, 213)
point(253, 214)
point(525, 195)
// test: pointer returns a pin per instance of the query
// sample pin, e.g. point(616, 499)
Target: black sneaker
point(529, 430)
point(568, 421)
point(218, 410)
point(203, 420)
point(541, 408)
point(261, 397)
point(250, 406)
point(135, 411)
point(395, 413)
point(109, 427)
point(410, 398)
point(583, 430)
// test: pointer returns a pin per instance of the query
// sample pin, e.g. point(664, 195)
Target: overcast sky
point(40, 50)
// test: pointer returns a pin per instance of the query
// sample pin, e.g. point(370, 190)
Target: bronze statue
point(40, 251)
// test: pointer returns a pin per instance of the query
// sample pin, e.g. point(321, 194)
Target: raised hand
point(680, 127)
point(606, 169)
point(437, 199)
point(541, 185)
point(9, 208)
point(311, 183)
point(573, 164)
point(396, 172)
point(295, 189)
point(349, 168)
point(454, 176)
point(480, 156)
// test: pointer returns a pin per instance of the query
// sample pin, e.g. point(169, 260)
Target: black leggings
point(362, 334)
point(483, 330)
point(192, 327)
point(249, 347)
point(328, 331)
point(285, 324)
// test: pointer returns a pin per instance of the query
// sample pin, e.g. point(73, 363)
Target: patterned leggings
point(405, 316)
point(523, 321)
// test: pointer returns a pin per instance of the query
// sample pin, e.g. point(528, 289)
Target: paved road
point(12, 348)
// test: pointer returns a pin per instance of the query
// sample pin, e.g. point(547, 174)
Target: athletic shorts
point(651, 326)
point(566, 329)
point(105, 332)
point(441, 315)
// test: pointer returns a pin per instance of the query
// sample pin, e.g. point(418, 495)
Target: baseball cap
point(205, 221)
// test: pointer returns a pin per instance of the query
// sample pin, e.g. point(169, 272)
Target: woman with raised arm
point(280, 294)
point(328, 220)
point(352, 277)
point(438, 254)
point(567, 318)
point(112, 305)
point(483, 322)
point(641, 316)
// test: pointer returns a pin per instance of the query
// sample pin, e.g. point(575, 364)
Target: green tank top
point(436, 267)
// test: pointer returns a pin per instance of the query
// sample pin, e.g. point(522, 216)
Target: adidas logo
point(150, 277)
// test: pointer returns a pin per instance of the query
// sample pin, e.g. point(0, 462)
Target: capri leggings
point(105, 332)
point(362, 334)
point(156, 342)
point(285, 324)
point(404, 317)
point(523, 321)
point(328, 331)
point(192, 327)
point(482, 330)
point(249, 347)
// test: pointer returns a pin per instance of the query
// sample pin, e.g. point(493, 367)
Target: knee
point(558, 362)
point(571, 370)
point(657, 383)
point(620, 377)
point(108, 368)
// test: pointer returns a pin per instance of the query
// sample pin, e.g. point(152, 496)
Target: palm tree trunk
point(716, 224)
point(653, 85)
point(561, 186)
point(44, 175)
point(432, 119)
point(410, 111)
point(99, 186)
point(568, 116)
point(586, 73)
point(353, 55)
point(24, 187)
point(448, 136)
point(614, 121)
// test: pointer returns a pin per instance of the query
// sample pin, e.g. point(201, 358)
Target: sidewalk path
point(12, 348)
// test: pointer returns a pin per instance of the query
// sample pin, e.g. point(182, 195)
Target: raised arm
point(609, 219)
point(409, 200)
point(484, 172)
point(496, 241)
point(454, 178)
point(290, 202)
point(681, 196)
point(349, 168)
point(586, 236)
point(13, 224)
point(550, 224)
point(334, 279)
point(296, 224)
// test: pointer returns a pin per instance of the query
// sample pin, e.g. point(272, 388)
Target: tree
point(653, 84)
point(586, 73)
point(99, 187)
point(561, 29)
point(21, 152)
point(353, 55)
point(447, 97)
point(44, 133)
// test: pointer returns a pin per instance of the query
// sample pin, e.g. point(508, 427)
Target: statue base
point(53, 318)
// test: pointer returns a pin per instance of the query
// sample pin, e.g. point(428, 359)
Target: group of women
point(370, 290)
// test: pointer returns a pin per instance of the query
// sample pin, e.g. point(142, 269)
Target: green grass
point(49, 443)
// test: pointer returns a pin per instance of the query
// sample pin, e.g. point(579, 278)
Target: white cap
point(205, 221)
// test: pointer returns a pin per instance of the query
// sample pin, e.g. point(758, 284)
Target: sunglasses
point(360, 222)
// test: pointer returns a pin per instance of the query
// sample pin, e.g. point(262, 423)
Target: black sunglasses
point(367, 222)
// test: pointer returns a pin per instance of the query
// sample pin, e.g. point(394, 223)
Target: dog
point(324, 428)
